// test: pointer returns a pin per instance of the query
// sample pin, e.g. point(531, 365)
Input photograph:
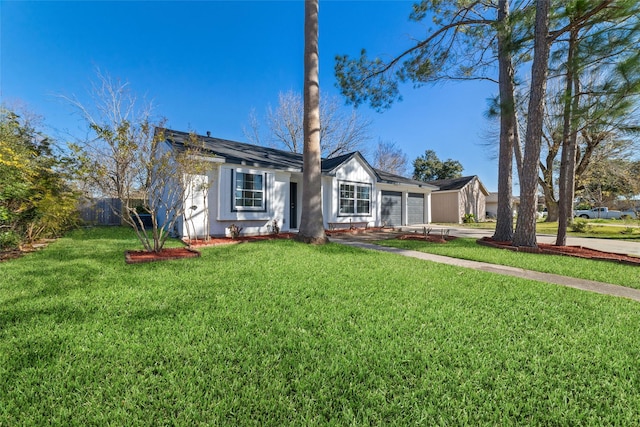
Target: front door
point(293, 208)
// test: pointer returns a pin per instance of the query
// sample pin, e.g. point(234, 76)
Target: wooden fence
point(100, 211)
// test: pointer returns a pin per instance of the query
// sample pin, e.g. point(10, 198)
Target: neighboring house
point(492, 205)
point(252, 186)
point(457, 197)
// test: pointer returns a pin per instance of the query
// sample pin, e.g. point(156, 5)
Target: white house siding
point(195, 219)
point(221, 214)
point(282, 200)
point(329, 205)
point(351, 172)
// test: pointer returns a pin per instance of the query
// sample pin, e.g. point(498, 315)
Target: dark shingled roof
point(239, 153)
point(452, 183)
point(392, 179)
point(257, 156)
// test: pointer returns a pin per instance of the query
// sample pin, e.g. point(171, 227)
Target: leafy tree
point(389, 158)
point(610, 175)
point(312, 222)
point(588, 97)
point(604, 46)
point(340, 132)
point(460, 47)
point(126, 157)
point(567, 18)
point(429, 167)
point(36, 199)
point(457, 49)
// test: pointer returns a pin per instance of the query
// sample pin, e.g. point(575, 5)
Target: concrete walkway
point(360, 241)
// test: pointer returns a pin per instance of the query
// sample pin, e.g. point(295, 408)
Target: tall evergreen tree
point(525, 233)
point(582, 16)
point(605, 44)
point(455, 50)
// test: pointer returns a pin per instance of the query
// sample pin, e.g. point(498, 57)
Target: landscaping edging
point(139, 257)
point(574, 251)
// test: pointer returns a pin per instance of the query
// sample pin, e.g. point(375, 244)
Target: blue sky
point(207, 64)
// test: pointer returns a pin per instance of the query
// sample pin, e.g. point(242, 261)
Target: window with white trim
point(249, 191)
point(355, 199)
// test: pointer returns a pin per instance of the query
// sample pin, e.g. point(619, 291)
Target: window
point(249, 191)
point(355, 199)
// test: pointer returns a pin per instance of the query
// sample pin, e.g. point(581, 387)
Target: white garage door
point(391, 208)
point(415, 208)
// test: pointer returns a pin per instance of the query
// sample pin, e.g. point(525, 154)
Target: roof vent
point(208, 133)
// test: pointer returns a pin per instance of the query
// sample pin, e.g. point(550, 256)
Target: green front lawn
point(601, 271)
point(600, 228)
point(281, 333)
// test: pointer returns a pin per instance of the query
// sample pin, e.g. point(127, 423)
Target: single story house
point(253, 186)
point(457, 197)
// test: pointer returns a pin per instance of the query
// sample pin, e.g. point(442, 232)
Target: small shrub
point(234, 230)
point(273, 227)
point(469, 218)
point(142, 210)
point(627, 230)
point(9, 240)
point(580, 226)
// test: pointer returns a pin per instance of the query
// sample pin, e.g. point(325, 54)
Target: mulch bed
point(6, 255)
point(431, 238)
point(355, 230)
point(215, 241)
point(575, 251)
point(137, 257)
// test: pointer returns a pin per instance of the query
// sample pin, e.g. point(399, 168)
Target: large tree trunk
point(569, 142)
point(525, 234)
point(311, 223)
point(546, 182)
point(552, 208)
point(508, 128)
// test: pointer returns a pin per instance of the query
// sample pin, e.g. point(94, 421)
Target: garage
point(415, 208)
point(391, 208)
